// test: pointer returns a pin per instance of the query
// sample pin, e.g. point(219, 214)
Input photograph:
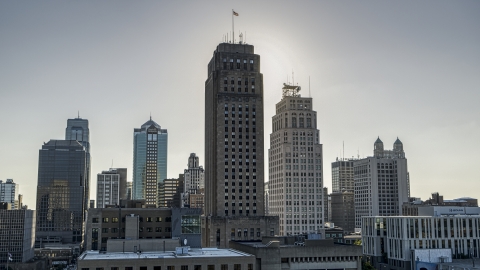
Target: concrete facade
point(207, 258)
point(390, 240)
point(105, 224)
point(218, 231)
point(275, 253)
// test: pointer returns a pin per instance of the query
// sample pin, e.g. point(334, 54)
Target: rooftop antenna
point(112, 164)
point(245, 37)
point(343, 149)
point(78, 114)
point(293, 78)
point(150, 116)
point(358, 153)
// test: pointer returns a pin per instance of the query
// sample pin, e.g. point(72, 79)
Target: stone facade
point(218, 231)
point(281, 253)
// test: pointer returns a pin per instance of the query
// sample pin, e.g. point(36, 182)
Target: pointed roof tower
point(378, 148)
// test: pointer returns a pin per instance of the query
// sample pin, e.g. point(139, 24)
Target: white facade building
point(9, 193)
point(391, 240)
point(108, 188)
point(381, 182)
point(194, 179)
point(295, 166)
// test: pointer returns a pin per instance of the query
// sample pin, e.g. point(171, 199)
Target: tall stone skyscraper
point(62, 192)
point(382, 182)
point(234, 159)
point(295, 165)
point(342, 197)
point(149, 162)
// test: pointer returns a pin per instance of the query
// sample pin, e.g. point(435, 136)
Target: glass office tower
point(149, 162)
point(62, 192)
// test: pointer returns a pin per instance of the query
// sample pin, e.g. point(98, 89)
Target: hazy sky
point(406, 68)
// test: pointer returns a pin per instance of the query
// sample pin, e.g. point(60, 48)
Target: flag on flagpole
point(235, 13)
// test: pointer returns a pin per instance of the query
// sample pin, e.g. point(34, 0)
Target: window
point(149, 219)
point(197, 267)
point(105, 220)
point(115, 220)
point(251, 64)
point(237, 266)
point(211, 267)
point(158, 219)
point(143, 268)
point(95, 220)
point(113, 268)
point(184, 267)
point(158, 229)
point(171, 267)
point(104, 230)
point(224, 267)
point(157, 268)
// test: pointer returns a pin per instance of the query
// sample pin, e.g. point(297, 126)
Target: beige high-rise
point(295, 165)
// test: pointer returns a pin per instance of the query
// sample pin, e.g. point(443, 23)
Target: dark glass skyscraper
point(62, 192)
point(149, 162)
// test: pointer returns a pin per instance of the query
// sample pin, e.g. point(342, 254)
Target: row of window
point(182, 267)
point(115, 219)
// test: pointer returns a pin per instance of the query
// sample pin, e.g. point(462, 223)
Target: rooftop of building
point(192, 253)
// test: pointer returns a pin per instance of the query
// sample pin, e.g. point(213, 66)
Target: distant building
point(343, 210)
point(111, 187)
point(382, 182)
point(412, 207)
point(197, 200)
point(295, 252)
point(342, 175)
point(62, 192)
point(150, 143)
point(17, 235)
point(194, 179)
point(170, 191)
point(9, 193)
point(129, 190)
point(77, 129)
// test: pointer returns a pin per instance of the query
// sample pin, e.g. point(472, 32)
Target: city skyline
point(376, 69)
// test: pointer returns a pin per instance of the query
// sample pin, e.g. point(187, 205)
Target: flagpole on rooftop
point(233, 28)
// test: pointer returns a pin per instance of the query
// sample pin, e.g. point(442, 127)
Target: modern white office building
point(392, 240)
point(9, 193)
point(381, 182)
point(111, 187)
point(295, 184)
